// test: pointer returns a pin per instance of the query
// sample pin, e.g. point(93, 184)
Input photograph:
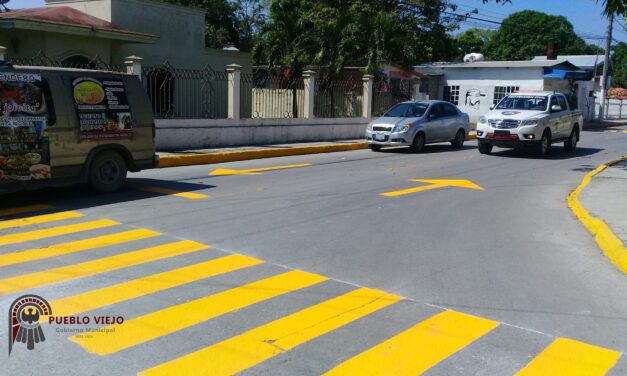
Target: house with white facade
point(475, 86)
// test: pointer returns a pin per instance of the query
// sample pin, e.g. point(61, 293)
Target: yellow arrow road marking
point(255, 171)
point(433, 184)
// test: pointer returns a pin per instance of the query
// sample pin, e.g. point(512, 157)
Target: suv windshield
point(520, 102)
point(407, 110)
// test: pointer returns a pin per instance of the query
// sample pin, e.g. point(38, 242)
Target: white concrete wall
point(480, 83)
point(181, 134)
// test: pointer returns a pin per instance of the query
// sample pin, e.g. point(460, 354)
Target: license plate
point(379, 137)
point(501, 133)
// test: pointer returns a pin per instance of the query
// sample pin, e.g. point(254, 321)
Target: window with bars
point(501, 92)
point(451, 94)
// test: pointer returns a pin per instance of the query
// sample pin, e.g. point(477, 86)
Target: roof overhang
point(68, 29)
point(564, 74)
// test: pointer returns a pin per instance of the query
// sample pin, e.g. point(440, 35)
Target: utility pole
point(606, 64)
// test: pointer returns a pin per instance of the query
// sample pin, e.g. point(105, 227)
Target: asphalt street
point(301, 265)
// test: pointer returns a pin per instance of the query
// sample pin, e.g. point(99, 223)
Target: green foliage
point(335, 33)
point(250, 17)
point(220, 22)
point(525, 34)
point(619, 65)
point(472, 40)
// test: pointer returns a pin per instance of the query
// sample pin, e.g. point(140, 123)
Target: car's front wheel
point(374, 147)
point(419, 143)
point(545, 143)
point(458, 141)
point(485, 148)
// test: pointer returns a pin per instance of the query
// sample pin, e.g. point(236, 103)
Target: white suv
point(530, 120)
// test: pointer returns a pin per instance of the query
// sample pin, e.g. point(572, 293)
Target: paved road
point(310, 269)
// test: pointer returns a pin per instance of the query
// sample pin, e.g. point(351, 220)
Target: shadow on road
point(81, 196)
point(428, 149)
point(555, 153)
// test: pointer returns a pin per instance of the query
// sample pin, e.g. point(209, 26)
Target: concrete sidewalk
point(592, 125)
point(606, 198)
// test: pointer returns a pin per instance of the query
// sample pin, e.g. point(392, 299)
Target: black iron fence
point(186, 93)
point(333, 98)
point(263, 96)
point(388, 93)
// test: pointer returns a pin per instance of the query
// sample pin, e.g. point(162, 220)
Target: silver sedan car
point(415, 124)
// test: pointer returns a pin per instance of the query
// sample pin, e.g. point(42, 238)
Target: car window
point(418, 109)
point(523, 102)
point(449, 110)
point(399, 110)
point(436, 111)
point(562, 102)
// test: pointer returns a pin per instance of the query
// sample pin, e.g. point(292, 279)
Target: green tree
point(220, 21)
point(619, 65)
point(250, 17)
point(334, 33)
point(525, 34)
point(472, 40)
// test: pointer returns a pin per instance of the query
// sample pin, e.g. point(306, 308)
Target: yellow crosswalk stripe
point(55, 231)
point(105, 296)
point(569, 357)
point(39, 219)
point(419, 348)
point(169, 320)
point(72, 247)
point(24, 209)
point(168, 191)
point(248, 349)
point(89, 268)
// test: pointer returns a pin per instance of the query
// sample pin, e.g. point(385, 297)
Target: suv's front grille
point(379, 128)
point(504, 123)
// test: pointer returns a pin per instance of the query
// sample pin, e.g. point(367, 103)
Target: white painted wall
point(181, 134)
point(476, 85)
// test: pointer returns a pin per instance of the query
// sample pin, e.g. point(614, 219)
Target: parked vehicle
point(530, 120)
point(415, 124)
point(61, 126)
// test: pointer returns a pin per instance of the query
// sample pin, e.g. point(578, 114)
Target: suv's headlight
point(530, 122)
point(401, 128)
point(369, 126)
point(483, 120)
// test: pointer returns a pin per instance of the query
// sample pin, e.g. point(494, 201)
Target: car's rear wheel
point(458, 141)
point(419, 143)
point(485, 148)
point(571, 144)
point(544, 145)
point(374, 147)
point(107, 172)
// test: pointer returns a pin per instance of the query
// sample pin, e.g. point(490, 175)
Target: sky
point(585, 15)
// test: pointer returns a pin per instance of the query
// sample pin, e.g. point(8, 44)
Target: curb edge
point(610, 244)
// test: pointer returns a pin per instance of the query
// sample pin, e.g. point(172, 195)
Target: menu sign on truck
point(24, 147)
point(103, 109)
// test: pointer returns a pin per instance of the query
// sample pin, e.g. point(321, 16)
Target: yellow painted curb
point(242, 155)
point(611, 245)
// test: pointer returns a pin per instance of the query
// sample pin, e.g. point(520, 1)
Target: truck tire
point(571, 144)
point(485, 148)
point(107, 172)
point(544, 145)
